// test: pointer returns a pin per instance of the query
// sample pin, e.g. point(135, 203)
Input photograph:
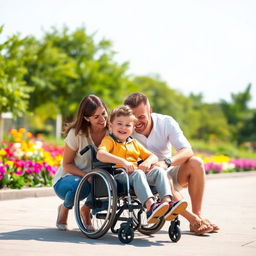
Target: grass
point(228, 149)
point(55, 141)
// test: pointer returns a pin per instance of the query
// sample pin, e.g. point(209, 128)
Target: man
point(159, 133)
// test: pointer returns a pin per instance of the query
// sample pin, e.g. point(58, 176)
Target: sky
point(198, 46)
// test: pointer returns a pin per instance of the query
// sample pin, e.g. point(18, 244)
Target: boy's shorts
point(172, 172)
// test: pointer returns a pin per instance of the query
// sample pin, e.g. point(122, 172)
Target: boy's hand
point(129, 167)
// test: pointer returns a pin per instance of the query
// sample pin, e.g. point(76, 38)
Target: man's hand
point(145, 167)
point(160, 164)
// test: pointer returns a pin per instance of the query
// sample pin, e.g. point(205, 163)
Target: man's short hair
point(121, 111)
point(135, 99)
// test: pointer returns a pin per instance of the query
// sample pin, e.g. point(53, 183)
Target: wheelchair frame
point(109, 205)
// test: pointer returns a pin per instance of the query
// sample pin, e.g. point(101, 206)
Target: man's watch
point(168, 162)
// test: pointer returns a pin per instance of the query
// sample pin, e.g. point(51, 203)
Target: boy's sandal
point(200, 228)
point(214, 226)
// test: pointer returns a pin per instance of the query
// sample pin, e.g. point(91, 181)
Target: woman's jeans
point(66, 187)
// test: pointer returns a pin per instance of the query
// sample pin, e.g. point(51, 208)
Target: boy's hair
point(121, 111)
point(135, 99)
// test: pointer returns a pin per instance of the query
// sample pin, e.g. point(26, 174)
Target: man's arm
point(182, 156)
point(179, 158)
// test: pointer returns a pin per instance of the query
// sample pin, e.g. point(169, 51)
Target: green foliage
point(219, 147)
point(14, 92)
point(248, 131)
point(12, 180)
point(50, 76)
point(238, 114)
point(52, 140)
point(212, 122)
point(95, 72)
point(165, 100)
point(197, 119)
point(49, 73)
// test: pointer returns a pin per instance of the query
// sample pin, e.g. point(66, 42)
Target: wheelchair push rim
point(103, 220)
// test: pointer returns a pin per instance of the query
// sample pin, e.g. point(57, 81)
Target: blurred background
point(195, 60)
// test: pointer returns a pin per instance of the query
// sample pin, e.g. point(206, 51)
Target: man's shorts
point(172, 172)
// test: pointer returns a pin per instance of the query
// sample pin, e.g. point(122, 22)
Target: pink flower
point(212, 167)
point(244, 164)
point(2, 171)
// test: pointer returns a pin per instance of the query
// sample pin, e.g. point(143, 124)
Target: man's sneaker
point(156, 211)
point(175, 208)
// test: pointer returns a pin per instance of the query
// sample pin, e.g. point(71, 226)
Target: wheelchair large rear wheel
point(102, 200)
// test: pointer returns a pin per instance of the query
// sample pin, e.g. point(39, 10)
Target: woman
point(89, 127)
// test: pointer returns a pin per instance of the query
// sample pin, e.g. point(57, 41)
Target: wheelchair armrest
point(98, 164)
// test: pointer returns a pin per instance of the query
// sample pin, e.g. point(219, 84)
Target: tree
point(94, 69)
point(166, 100)
point(65, 66)
point(248, 132)
point(14, 92)
point(212, 123)
point(237, 112)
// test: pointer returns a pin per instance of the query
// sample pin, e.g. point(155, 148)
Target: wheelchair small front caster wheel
point(174, 233)
point(125, 234)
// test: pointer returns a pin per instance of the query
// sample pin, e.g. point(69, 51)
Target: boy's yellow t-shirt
point(131, 150)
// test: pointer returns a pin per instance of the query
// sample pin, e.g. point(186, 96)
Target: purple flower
point(244, 164)
point(29, 171)
point(20, 172)
point(2, 171)
point(212, 167)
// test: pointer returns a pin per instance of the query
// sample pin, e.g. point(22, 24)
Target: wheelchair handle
point(85, 149)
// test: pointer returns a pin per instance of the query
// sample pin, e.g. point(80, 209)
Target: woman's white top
point(76, 143)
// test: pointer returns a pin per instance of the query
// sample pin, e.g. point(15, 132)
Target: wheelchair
point(114, 206)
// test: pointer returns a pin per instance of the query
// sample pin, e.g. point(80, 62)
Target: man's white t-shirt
point(165, 133)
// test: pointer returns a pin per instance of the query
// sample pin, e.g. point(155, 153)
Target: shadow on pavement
point(75, 236)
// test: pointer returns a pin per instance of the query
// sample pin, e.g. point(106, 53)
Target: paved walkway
point(27, 227)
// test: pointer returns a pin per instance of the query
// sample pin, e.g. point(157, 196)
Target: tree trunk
point(58, 126)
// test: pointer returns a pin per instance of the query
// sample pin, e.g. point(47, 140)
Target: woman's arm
point(68, 162)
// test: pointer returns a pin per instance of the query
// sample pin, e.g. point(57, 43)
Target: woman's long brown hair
point(87, 108)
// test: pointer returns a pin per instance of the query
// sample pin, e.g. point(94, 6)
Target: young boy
point(121, 149)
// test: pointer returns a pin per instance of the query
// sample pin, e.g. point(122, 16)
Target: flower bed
point(222, 163)
point(26, 160)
